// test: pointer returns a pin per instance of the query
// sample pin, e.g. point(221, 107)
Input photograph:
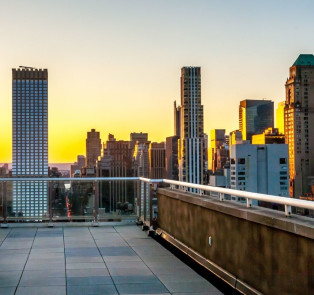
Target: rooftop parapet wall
point(29, 74)
point(256, 247)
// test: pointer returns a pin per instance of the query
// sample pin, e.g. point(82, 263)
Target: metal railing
point(115, 198)
point(249, 196)
point(68, 199)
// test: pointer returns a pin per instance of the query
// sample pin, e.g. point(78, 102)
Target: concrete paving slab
point(40, 290)
point(81, 273)
point(151, 288)
point(135, 279)
point(9, 278)
point(117, 251)
point(82, 265)
point(86, 280)
point(48, 250)
point(83, 260)
point(121, 258)
point(7, 290)
point(92, 290)
point(189, 287)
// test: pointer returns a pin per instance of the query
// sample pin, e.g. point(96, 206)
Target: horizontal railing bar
point(151, 180)
point(237, 193)
point(83, 179)
point(255, 196)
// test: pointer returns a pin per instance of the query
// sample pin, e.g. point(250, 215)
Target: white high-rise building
point(30, 140)
point(191, 147)
point(260, 168)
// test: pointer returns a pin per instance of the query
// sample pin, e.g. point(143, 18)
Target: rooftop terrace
point(92, 260)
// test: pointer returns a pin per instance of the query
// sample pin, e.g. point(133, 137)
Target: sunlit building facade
point(299, 124)
point(29, 140)
point(280, 117)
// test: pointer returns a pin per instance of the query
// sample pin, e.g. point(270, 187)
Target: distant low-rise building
point(269, 136)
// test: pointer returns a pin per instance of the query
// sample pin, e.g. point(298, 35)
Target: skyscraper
point(93, 148)
point(30, 140)
point(217, 139)
point(172, 165)
point(255, 116)
point(191, 149)
point(157, 160)
point(299, 123)
point(115, 162)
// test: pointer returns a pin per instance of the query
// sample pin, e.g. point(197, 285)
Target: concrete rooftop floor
point(118, 259)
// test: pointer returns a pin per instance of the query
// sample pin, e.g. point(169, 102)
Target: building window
point(283, 160)
point(241, 161)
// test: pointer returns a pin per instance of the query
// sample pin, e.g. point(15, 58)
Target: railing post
point(139, 202)
point(138, 198)
point(146, 192)
point(50, 193)
point(221, 196)
point(201, 192)
point(248, 202)
point(4, 204)
point(96, 203)
point(143, 200)
point(288, 210)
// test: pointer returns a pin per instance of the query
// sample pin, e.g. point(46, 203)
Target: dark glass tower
point(30, 140)
point(255, 116)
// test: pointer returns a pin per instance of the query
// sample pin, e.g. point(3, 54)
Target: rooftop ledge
point(300, 225)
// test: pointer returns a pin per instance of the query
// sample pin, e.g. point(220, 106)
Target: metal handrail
point(249, 196)
point(70, 178)
point(286, 201)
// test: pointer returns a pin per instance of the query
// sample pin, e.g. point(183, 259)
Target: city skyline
point(116, 69)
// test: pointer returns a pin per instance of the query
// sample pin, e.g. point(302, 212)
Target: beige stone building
point(299, 124)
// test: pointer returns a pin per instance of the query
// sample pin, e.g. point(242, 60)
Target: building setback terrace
point(116, 259)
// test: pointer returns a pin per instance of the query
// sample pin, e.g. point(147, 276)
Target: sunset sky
point(115, 65)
